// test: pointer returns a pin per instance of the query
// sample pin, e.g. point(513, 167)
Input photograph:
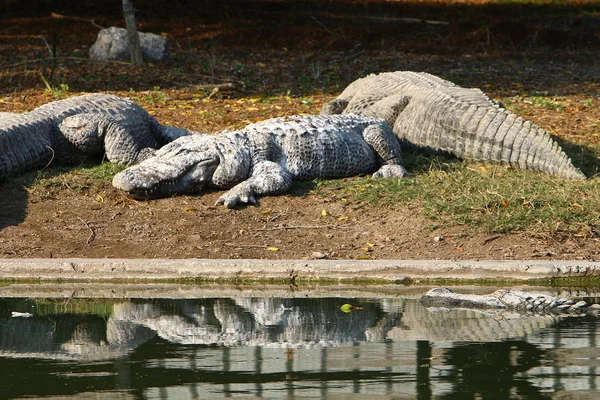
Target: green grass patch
point(487, 198)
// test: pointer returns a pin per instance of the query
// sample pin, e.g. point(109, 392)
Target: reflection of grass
point(482, 198)
point(40, 307)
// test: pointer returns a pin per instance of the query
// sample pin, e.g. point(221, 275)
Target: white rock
point(112, 44)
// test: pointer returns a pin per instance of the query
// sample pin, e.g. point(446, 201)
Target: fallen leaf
point(324, 213)
point(349, 308)
point(342, 218)
point(266, 212)
point(503, 203)
point(483, 170)
point(190, 209)
point(577, 205)
point(273, 248)
point(100, 199)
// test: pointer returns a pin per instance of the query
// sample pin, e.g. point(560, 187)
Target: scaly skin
point(509, 299)
point(263, 158)
point(67, 131)
point(432, 113)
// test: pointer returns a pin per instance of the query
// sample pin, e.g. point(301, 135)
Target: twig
point(51, 159)
point(249, 246)
point(91, 21)
point(37, 60)
point(491, 238)
point(323, 26)
point(92, 234)
point(52, 55)
point(10, 28)
point(388, 19)
point(279, 228)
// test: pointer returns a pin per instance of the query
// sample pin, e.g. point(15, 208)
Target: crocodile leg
point(267, 177)
point(95, 133)
point(335, 106)
point(382, 139)
point(388, 108)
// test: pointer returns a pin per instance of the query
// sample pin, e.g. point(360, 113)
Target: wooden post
point(134, 40)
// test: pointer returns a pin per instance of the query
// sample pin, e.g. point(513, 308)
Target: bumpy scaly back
point(440, 116)
point(24, 143)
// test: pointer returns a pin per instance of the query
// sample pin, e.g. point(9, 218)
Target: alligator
point(507, 299)
point(264, 157)
point(71, 130)
point(434, 114)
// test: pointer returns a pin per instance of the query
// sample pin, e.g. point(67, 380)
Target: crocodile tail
point(487, 132)
point(23, 144)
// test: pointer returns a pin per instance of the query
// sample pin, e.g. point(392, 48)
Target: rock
point(317, 255)
point(112, 44)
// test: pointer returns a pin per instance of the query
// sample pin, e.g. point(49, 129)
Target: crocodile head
point(183, 166)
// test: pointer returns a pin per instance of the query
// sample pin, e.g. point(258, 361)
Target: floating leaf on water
point(346, 308)
point(349, 308)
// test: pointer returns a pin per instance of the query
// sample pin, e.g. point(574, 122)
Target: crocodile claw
point(231, 200)
point(390, 171)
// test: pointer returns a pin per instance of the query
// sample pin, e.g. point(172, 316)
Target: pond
point(299, 346)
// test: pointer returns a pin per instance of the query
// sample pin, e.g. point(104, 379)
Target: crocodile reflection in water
point(224, 321)
point(273, 322)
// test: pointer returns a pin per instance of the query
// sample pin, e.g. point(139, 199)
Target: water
point(389, 347)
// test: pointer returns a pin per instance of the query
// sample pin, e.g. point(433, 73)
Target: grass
point(488, 198)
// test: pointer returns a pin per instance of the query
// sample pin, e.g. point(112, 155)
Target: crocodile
point(264, 157)
point(429, 112)
point(70, 130)
point(507, 299)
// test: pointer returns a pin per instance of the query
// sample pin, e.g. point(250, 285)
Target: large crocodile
point(432, 113)
point(263, 158)
point(69, 130)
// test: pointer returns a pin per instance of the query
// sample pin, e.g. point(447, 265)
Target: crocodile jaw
point(154, 179)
